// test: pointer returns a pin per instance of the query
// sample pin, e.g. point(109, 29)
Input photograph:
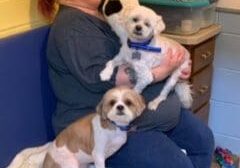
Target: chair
point(26, 98)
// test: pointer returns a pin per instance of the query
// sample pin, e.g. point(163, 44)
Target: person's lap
point(155, 149)
point(149, 149)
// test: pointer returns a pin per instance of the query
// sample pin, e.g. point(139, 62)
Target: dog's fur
point(90, 139)
point(30, 157)
point(124, 22)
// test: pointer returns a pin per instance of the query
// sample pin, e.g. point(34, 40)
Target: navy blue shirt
point(79, 46)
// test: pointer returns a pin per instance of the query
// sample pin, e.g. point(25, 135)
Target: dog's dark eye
point(135, 19)
point(147, 24)
point(128, 102)
point(112, 102)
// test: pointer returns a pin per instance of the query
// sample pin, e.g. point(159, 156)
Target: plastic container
point(180, 20)
point(178, 3)
point(184, 17)
point(208, 15)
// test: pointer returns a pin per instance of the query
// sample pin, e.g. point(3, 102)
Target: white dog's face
point(121, 105)
point(142, 23)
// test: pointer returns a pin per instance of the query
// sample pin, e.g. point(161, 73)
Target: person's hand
point(171, 61)
point(186, 73)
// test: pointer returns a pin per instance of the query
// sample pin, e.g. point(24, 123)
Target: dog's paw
point(106, 74)
point(187, 101)
point(153, 105)
point(184, 92)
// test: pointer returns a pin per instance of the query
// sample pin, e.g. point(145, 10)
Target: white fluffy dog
point(144, 48)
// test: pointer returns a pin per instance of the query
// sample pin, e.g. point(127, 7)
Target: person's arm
point(125, 75)
point(170, 63)
point(85, 56)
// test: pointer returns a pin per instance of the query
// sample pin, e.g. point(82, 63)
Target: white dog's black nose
point(138, 28)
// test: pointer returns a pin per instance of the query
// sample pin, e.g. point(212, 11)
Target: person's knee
point(202, 139)
point(206, 139)
point(210, 138)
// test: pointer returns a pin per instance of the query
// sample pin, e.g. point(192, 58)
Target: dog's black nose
point(112, 6)
point(120, 107)
point(138, 28)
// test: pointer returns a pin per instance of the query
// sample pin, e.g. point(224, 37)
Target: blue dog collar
point(122, 128)
point(143, 46)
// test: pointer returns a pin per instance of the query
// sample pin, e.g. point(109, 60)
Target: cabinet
point(201, 46)
point(201, 78)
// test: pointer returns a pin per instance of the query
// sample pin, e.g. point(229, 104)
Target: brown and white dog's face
point(121, 105)
point(143, 23)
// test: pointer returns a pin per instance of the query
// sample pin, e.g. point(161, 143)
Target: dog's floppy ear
point(112, 6)
point(100, 110)
point(141, 105)
point(160, 25)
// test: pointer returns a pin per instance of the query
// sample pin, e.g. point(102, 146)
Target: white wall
point(225, 101)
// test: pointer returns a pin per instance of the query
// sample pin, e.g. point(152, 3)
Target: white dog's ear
point(111, 7)
point(160, 25)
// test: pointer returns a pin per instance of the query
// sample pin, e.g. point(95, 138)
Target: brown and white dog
point(96, 136)
point(90, 139)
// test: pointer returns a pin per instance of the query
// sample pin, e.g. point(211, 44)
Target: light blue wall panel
point(225, 101)
point(230, 22)
point(225, 118)
point(226, 86)
point(228, 51)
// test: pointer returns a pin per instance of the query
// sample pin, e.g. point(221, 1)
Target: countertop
point(198, 37)
point(228, 10)
point(230, 6)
